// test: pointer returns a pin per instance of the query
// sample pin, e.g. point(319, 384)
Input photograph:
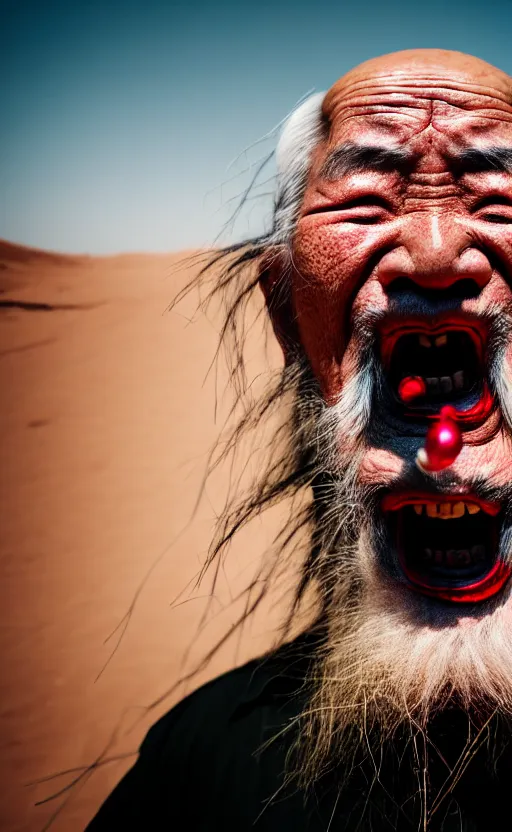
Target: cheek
point(329, 263)
point(331, 254)
point(380, 467)
point(490, 459)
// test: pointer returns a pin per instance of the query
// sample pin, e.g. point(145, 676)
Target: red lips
point(429, 580)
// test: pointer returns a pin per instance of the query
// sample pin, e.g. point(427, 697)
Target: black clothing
point(206, 767)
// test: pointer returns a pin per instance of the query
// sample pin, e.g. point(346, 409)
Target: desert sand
point(106, 421)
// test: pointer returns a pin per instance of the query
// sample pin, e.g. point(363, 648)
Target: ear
point(275, 283)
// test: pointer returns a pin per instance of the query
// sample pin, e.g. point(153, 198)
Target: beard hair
point(392, 660)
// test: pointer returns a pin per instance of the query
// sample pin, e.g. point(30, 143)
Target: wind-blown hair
point(231, 275)
point(301, 133)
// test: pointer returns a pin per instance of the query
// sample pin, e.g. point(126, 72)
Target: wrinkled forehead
point(418, 104)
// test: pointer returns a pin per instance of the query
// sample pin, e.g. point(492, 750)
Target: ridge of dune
point(19, 253)
point(32, 278)
point(12, 252)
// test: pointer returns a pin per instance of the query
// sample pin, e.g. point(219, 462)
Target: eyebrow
point(354, 158)
point(483, 160)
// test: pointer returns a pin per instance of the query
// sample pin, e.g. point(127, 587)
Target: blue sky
point(121, 118)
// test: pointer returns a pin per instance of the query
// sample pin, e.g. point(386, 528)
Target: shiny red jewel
point(411, 388)
point(443, 442)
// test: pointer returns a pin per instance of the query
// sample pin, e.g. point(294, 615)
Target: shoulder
point(213, 759)
point(234, 699)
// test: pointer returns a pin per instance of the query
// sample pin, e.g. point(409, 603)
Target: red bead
point(443, 442)
point(411, 388)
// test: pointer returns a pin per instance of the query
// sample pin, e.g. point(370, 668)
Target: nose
point(435, 251)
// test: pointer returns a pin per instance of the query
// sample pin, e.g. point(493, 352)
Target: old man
point(387, 276)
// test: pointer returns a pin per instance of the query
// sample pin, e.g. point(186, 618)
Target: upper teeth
point(438, 341)
point(447, 511)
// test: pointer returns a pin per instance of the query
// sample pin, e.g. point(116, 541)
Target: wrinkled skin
point(435, 222)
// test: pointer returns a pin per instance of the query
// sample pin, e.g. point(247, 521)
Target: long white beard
point(391, 656)
point(393, 659)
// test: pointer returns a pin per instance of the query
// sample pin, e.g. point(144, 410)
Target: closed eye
point(496, 208)
point(364, 210)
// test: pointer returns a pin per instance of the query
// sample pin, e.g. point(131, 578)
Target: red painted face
point(406, 226)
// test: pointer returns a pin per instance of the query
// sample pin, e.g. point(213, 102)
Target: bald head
point(415, 68)
point(403, 92)
point(431, 63)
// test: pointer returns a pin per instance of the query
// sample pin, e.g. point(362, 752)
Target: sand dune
point(106, 421)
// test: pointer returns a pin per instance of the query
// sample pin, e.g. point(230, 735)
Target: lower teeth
point(455, 557)
point(437, 386)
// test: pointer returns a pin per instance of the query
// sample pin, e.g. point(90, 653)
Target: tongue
point(443, 442)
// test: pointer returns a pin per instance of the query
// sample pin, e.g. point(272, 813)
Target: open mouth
point(448, 548)
point(428, 368)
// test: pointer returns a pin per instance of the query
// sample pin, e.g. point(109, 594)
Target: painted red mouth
point(448, 547)
point(443, 364)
